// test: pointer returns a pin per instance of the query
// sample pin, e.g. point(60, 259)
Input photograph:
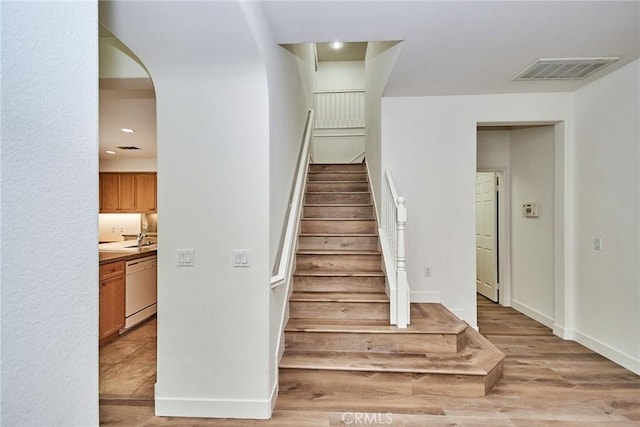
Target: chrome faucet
point(140, 238)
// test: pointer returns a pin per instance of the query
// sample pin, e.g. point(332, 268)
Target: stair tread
point(338, 219)
point(337, 235)
point(337, 252)
point(373, 362)
point(337, 273)
point(337, 182)
point(364, 297)
point(336, 173)
point(382, 326)
point(336, 193)
point(337, 205)
point(478, 357)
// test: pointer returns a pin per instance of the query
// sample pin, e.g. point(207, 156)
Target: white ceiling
point(468, 47)
point(449, 48)
point(127, 103)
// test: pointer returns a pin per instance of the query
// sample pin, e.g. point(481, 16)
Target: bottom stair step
point(472, 372)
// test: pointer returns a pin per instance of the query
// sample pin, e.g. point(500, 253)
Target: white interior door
point(486, 246)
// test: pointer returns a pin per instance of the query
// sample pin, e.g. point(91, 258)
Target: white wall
point(49, 196)
point(116, 64)
point(340, 75)
point(306, 58)
point(379, 61)
point(129, 165)
point(429, 144)
point(608, 207)
point(493, 149)
point(532, 239)
point(288, 110)
point(214, 197)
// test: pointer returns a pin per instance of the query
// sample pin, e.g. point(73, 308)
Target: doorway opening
point(518, 226)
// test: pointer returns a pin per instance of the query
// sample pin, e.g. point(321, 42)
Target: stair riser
point(338, 242)
point(383, 343)
point(338, 212)
point(328, 187)
point(340, 167)
point(378, 384)
point(319, 226)
point(338, 284)
point(338, 310)
point(338, 176)
point(337, 199)
point(339, 262)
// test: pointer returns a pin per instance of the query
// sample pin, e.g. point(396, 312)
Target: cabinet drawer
point(113, 269)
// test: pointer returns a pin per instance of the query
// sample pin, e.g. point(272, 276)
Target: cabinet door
point(111, 306)
point(145, 187)
point(127, 192)
point(109, 192)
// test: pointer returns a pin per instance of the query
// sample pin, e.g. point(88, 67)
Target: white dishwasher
point(141, 294)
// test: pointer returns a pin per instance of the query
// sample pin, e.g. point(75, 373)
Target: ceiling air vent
point(563, 68)
point(129, 147)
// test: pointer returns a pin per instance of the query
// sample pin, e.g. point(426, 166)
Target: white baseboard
point(274, 395)
point(530, 312)
point(560, 331)
point(610, 353)
point(215, 408)
point(425, 296)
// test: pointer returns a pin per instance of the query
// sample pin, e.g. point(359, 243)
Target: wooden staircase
point(339, 344)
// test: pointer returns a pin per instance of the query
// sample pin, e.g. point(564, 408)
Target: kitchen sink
point(125, 246)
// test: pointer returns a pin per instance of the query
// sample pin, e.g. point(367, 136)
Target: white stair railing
point(339, 109)
point(392, 239)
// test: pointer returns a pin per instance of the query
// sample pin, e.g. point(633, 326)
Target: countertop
point(112, 256)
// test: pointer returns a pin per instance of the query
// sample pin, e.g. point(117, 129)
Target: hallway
point(547, 382)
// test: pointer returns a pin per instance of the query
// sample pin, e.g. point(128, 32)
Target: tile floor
point(128, 364)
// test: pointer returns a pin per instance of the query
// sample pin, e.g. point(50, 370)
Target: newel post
point(401, 269)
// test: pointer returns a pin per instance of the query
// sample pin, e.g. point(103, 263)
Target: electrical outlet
point(427, 272)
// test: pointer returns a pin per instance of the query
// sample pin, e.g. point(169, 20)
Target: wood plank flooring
point(547, 382)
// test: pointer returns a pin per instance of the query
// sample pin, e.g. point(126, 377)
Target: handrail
point(392, 239)
point(286, 250)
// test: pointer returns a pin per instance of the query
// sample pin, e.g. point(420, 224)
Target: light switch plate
point(241, 258)
point(185, 257)
point(597, 244)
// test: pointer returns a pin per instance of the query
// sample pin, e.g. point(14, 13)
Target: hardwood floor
point(547, 382)
point(128, 365)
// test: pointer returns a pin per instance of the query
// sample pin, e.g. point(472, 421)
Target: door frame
point(504, 234)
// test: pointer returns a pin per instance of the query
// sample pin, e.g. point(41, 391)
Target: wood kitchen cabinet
point(128, 192)
point(112, 302)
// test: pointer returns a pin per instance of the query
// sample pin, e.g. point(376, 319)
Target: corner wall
point(607, 316)
point(287, 117)
point(379, 62)
point(532, 239)
point(49, 197)
point(213, 197)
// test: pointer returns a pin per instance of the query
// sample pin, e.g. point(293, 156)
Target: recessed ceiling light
point(110, 152)
point(336, 45)
point(127, 130)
